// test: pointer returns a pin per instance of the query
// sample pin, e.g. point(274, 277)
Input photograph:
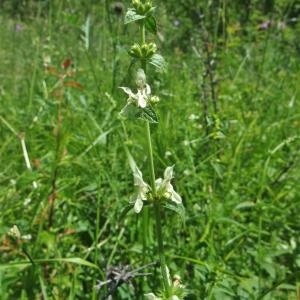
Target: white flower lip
point(142, 190)
point(141, 97)
point(165, 186)
point(151, 296)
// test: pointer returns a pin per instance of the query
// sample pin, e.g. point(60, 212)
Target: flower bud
point(148, 6)
point(154, 99)
point(142, 8)
point(14, 232)
point(135, 51)
point(142, 51)
point(148, 49)
point(140, 78)
point(136, 4)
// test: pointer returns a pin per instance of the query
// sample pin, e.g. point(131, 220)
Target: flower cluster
point(164, 188)
point(177, 291)
point(143, 96)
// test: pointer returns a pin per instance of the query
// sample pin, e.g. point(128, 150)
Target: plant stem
point(159, 236)
point(150, 156)
point(158, 225)
point(157, 216)
point(96, 253)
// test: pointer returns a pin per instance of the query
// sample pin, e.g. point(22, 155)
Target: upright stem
point(150, 156)
point(158, 225)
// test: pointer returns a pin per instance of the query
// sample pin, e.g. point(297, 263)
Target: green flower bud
point(143, 51)
point(148, 49)
point(135, 51)
point(142, 8)
point(148, 6)
point(136, 4)
point(154, 99)
point(140, 78)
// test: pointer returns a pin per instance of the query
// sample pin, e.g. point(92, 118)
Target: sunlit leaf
point(158, 61)
point(132, 16)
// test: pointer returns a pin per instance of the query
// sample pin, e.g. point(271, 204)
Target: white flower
point(141, 97)
point(14, 232)
point(142, 190)
point(165, 187)
point(151, 296)
point(140, 78)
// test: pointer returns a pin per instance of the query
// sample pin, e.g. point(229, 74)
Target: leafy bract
point(132, 16)
point(158, 61)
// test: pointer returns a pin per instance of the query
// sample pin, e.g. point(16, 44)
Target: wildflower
point(14, 232)
point(142, 190)
point(19, 27)
point(265, 25)
point(141, 97)
point(165, 188)
point(193, 117)
point(151, 296)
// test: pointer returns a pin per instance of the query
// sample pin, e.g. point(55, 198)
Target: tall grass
point(236, 166)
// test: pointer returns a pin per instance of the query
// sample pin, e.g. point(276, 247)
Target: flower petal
point(175, 197)
point(138, 176)
point(141, 99)
point(138, 205)
point(128, 91)
point(168, 174)
point(151, 296)
point(158, 183)
point(148, 90)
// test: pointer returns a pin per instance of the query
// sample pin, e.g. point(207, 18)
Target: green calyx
point(142, 8)
point(144, 51)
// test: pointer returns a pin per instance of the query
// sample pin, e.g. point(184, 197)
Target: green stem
point(158, 225)
point(151, 162)
point(159, 236)
point(145, 215)
point(96, 253)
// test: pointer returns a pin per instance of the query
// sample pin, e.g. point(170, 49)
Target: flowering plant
point(164, 188)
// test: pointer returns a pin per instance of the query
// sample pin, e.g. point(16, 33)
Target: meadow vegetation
point(228, 121)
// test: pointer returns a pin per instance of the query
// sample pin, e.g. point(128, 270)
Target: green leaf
point(148, 114)
point(150, 24)
point(23, 264)
point(158, 61)
point(177, 208)
point(125, 211)
point(130, 111)
point(132, 16)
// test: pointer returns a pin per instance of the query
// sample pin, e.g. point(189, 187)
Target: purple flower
point(19, 27)
point(265, 25)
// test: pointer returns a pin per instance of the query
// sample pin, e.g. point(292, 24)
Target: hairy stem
point(158, 225)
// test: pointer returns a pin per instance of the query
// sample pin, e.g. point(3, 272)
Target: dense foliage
point(228, 120)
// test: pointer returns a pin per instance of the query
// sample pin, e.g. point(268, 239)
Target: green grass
point(239, 182)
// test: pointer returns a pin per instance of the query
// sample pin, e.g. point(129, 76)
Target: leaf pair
point(132, 112)
point(148, 19)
